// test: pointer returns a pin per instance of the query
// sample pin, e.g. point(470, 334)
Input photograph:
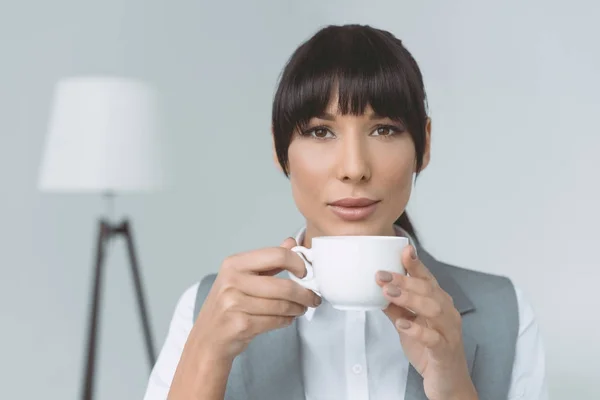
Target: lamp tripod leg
point(94, 317)
point(139, 290)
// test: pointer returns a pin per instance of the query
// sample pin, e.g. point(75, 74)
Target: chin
point(355, 228)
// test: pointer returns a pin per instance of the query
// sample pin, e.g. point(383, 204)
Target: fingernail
point(384, 276)
point(413, 253)
point(402, 323)
point(318, 301)
point(393, 290)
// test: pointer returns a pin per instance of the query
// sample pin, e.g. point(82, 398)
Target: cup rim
point(361, 237)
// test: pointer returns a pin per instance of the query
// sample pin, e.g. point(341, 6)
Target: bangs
point(360, 68)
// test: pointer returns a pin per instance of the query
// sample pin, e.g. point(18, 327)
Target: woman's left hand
point(431, 335)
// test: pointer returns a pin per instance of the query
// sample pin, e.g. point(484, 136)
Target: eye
point(386, 130)
point(318, 133)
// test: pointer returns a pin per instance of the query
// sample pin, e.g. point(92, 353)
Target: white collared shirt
point(340, 359)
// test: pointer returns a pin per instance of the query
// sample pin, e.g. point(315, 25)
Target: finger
point(413, 265)
point(267, 259)
point(425, 306)
point(266, 323)
point(429, 337)
point(271, 287)
point(260, 306)
point(249, 326)
point(394, 312)
point(271, 272)
point(406, 283)
point(288, 243)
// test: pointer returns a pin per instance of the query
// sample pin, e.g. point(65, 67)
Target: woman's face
point(352, 175)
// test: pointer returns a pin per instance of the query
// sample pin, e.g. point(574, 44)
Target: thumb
point(289, 243)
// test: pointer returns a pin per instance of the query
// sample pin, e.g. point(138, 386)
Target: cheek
point(308, 173)
point(398, 185)
point(393, 175)
point(395, 178)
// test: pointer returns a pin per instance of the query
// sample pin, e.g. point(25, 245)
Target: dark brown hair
point(367, 66)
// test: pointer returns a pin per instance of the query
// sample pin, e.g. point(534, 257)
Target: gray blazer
point(270, 368)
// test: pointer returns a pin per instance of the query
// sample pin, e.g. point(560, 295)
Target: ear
point(427, 150)
point(274, 151)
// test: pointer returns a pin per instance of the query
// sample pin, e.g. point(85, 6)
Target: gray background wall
point(512, 187)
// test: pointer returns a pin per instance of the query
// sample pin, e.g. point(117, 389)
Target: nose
point(354, 163)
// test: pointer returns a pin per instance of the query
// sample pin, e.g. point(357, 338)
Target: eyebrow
point(330, 117)
point(326, 116)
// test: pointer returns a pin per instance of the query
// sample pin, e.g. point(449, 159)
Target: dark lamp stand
point(106, 233)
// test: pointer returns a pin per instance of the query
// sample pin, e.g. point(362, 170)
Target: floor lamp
point(103, 139)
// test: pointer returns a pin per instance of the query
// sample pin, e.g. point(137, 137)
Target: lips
point(354, 209)
point(354, 202)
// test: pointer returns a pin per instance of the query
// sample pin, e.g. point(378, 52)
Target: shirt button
point(357, 369)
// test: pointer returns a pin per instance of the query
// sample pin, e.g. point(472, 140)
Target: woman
point(351, 131)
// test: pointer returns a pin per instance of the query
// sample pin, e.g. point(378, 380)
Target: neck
point(313, 232)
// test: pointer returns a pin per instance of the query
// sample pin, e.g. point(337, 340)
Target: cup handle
point(309, 280)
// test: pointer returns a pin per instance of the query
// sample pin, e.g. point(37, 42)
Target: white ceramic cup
point(342, 269)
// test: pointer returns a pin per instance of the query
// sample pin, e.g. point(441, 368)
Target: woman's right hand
point(246, 299)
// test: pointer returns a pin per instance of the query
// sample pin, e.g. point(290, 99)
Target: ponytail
point(404, 223)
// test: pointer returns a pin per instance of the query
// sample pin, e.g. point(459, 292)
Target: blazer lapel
point(414, 384)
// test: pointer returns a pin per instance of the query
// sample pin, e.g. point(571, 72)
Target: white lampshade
point(103, 136)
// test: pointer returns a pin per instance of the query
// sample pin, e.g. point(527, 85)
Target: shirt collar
point(310, 312)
